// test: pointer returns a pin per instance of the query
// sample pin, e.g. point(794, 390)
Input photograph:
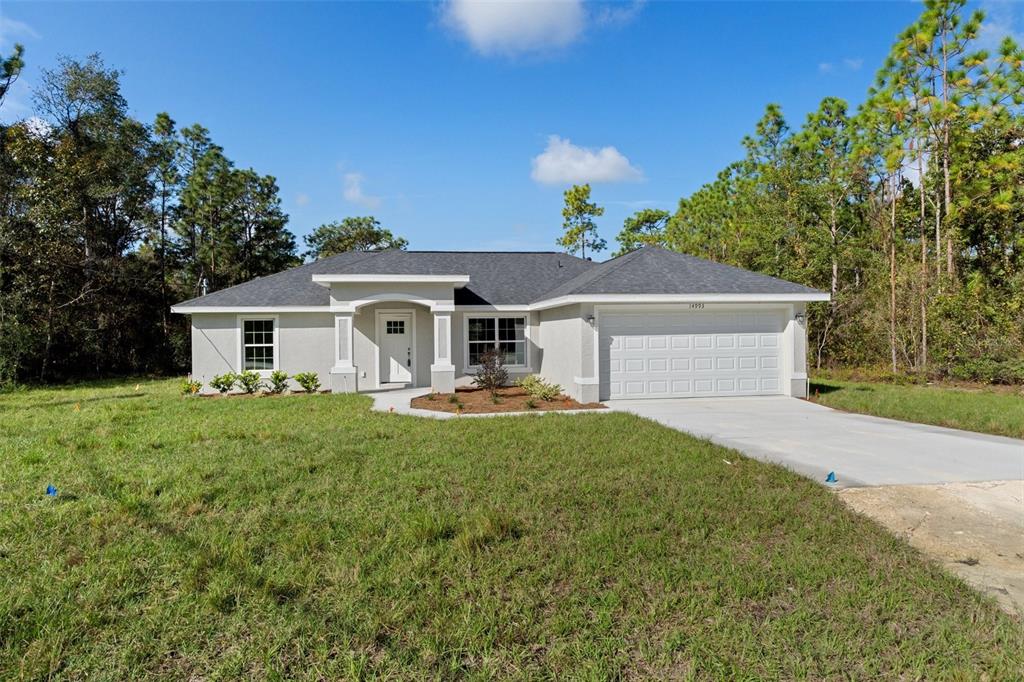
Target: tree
point(362, 233)
point(10, 69)
point(578, 222)
point(646, 227)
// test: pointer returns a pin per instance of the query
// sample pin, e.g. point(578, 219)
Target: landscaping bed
point(509, 399)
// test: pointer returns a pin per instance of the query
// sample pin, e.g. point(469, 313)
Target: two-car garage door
point(692, 353)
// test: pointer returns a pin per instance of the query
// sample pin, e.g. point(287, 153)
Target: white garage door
point(690, 354)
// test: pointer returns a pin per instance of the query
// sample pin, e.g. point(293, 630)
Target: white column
point(442, 371)
point(343, 374)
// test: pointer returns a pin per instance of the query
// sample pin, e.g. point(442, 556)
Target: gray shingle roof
point(508, 278)
point(496, 278)
point(652, 270)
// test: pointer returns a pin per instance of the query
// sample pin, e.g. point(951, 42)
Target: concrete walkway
point(814, 440)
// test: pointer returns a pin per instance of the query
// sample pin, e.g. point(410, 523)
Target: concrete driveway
point(814, 440)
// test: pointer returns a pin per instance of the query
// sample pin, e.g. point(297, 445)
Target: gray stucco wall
point(561, 359)
point(305, 343)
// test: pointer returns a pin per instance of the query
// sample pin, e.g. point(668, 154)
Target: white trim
point(240, 340)
point(495, 308)
point(446, 333)
point(246, 310)
point(676, 298)
point(494, 315)
point(436, 306)
point(393, 297)
point(411, 312)
point(341, 363)
point(457, 280)
point(442, 368)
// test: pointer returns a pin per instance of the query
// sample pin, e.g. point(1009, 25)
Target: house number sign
point(696, 306)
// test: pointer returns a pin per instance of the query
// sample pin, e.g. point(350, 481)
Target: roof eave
point(807, 297)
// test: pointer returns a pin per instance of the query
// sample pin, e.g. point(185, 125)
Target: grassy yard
point(996, 411)
point(309, 537)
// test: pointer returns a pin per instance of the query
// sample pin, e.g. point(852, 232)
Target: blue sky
point(458, 124)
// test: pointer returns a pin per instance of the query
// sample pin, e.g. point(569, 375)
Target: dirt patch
point(975, 530)
point(511, 399)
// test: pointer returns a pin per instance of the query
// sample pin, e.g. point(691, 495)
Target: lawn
point(985, 410)
point(308, 537)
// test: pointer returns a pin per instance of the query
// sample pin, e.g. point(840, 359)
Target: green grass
point(307, 537)
point(999, 412)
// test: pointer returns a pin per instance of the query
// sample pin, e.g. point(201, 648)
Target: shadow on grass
point(823, 389)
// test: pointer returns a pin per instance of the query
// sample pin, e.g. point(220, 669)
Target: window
point(507, 334)
point(257, 344)
point(395, 327)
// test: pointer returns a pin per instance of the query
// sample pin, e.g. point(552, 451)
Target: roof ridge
point(598, 273)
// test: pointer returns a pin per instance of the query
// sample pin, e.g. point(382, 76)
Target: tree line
point(909, 211)
point(105, 222)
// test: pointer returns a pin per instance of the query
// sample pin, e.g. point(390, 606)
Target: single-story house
point(649, 324)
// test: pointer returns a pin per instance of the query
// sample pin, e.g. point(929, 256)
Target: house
point(649, 324)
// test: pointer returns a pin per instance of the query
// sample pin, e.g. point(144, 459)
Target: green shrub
point(309, 381)
point(190, 386)
point(250, 381)
point(492, 374)
point(989, 371)
point(531, 404)
point(224, 382)
point(278, 381)
point(537, 388)
point(453, 398)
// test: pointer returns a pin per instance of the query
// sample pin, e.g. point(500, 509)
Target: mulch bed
point(511, 399)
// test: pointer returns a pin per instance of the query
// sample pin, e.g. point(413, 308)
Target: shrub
point(309, 381)
point(531, 404)
point(224, 382)
point(278, 381)
point(190, 386)
point(537, 388)
point(250, 381)
point(453, 398)
point(492, 374)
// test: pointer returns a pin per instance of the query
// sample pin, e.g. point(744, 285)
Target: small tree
point(492, 374)
point(580, 228)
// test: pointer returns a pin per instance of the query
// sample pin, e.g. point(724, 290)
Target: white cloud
point(562, 162)
point(618, 13)
point(353, 191)
point(509, 28)
point(12, 29)
point(302, 200)
point(847, 63)
point(1001, 20)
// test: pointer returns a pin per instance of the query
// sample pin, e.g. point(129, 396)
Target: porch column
point(343, 374)
point(442, 371)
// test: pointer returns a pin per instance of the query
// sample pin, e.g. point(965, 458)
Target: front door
point(395, 339)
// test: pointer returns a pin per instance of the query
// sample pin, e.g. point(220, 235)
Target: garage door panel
point(681, 354)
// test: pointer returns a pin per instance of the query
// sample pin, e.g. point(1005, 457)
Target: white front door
point(395, 340)
point(673, 354)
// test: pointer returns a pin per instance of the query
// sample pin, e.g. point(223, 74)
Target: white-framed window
point(506, 333)
point(259, 343)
